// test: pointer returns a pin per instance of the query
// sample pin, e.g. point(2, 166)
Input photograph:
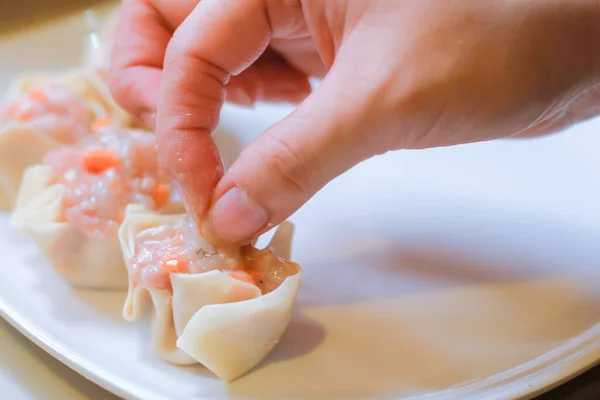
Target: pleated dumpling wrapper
point(225, 311)
point(73, 204)
point(41, 112)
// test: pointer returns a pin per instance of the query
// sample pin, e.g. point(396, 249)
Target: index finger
point(220, 38)
point(143, 32)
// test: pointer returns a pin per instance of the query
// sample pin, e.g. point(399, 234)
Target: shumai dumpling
point(224, 310)
point(74, 203)
point(46, 111)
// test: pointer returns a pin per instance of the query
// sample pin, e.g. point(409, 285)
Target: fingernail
point(239, 96)
point(236, 216)
point(149, 119)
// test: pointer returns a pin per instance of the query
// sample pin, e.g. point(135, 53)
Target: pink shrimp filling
point(105, 173)
point(52, 109)
point(177, 248)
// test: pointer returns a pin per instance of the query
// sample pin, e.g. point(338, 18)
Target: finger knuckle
point(286, 162)
point(199, 90)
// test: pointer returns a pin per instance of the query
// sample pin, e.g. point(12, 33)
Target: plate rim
point(526, 380)
point(90, 371)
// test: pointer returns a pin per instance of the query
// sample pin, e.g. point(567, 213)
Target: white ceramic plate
point(465, 272)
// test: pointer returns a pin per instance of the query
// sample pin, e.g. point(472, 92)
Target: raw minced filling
point(53, 109)
point(104, 173)
point(178, 248)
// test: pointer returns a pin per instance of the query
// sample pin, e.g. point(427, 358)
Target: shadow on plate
point(106, 303)
point(401, 257)
point(302, 336)
point(409, 310)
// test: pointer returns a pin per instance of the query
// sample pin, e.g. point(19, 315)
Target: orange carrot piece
point(13, 110)
point(161, 194)
point(101, 123)
point(98, 161)
point(172, 263)
point(25, 115)
point(39, 95)
point(241, 276)
point(16, 111)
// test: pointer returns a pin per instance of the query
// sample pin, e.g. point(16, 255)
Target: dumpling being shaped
point(73, 204)
point(44, 111)
point(225, 311)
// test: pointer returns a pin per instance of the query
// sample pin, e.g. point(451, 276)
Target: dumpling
point(46, 111)
point(73, 204)
point(223, 310)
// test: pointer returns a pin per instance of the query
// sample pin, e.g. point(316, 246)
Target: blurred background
point(21, 14)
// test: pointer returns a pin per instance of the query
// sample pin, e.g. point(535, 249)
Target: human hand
point(398, 75)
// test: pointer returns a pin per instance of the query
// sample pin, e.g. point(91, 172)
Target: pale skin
point(397, 74)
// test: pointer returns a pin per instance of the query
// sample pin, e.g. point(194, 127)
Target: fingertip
point(194, 162)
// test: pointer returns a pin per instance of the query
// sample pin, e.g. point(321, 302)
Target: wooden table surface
point(584, 387)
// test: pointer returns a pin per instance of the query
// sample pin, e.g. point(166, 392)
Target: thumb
point(218, 39)
point(285, 166)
